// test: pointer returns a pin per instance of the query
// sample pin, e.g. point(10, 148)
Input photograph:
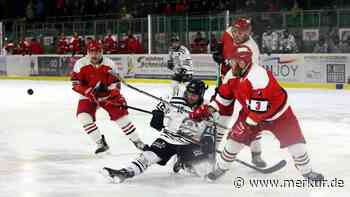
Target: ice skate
point(117, 176)
point(102, 146)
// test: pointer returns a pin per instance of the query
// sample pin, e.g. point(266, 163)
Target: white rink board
point(305, 68)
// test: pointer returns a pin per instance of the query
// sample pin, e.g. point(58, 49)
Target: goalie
point(191, 141)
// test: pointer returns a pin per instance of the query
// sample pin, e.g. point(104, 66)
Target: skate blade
point(114, 180)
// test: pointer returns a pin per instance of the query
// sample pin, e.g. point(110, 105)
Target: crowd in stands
point(43, 9)
point(278, 41)
point(128, 44)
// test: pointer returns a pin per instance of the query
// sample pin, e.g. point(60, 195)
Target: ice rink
point(45, 153)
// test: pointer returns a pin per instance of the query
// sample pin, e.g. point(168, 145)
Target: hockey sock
point(300, 157)
point(255, 146)
point(128, 128)
point(228, 155)
point(89, 126)
point(140, 164)
point(220, 132)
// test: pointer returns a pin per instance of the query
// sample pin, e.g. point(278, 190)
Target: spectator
point(60, 6)
point(30, 11)
point(321, 46)
point(345, 46)
point(213, 42)
point(334, 45)
point(62, 44)
point(123, 45)
point(269, 41)
point(199, 44)
point(24, 47)
point(180, 7)
point(287, 43)
point(110, 43)
point(74, 44)
point(133, 45)
point(36, 47)
point(167, 9)
point(10, 48)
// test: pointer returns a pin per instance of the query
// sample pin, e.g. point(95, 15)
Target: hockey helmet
point(243, 60)
point(196, 87)
point(241, 30)
point(175, 38)
point(242, 24)
point(94, 51)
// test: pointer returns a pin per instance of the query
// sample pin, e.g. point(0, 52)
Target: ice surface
point(45, 153)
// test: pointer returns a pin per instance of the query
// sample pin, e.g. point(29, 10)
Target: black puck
point(30, 91)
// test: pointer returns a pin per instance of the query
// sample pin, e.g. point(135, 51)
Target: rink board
point(162, 81)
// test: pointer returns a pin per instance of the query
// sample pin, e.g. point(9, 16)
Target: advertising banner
point(3, 70)
point(285, 67)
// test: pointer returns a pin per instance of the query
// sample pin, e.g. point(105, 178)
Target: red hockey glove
point(244, 133)
point(116, 99)
point(200, 113)
point(90, 93)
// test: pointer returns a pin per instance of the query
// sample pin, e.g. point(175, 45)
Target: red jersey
point(75, 44)
point(85, 76)
point(110, 43)
point(259, 93)
point(229, 47)
point(62, 45)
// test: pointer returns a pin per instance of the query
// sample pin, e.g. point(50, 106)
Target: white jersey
point(182, 59)
point(177, 123)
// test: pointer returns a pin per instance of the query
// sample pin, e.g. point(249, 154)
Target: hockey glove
point(100, 88)
point(200, 113)
point(90, 93)
point(217, 54)
point(244, 132)
point(157, 120)
point(170, 64)
point(116, 99)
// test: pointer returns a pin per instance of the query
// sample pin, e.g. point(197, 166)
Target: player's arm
point(157, 121)
point(223, 103)
point(77, 79)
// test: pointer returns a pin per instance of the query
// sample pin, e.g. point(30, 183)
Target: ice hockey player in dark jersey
point(180, 62)
point(191, 141)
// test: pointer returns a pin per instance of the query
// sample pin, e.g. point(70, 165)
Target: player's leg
point(220, 132)
point(121, 118)
point(287, 131)
point(159, 152)
point(226, 158)
point(86, 116)
point(255, 148)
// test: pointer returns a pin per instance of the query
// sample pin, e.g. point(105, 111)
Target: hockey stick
point(167, 102)
point(268, 170)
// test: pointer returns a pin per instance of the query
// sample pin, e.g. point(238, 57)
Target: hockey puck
point(30, 91)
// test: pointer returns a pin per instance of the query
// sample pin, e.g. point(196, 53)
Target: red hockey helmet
point(94, 51)
point(242, 24)
point(94, 46)
point(243, 60)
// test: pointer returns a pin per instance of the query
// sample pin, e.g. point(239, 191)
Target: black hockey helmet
point(197, 87)
point(174, 38)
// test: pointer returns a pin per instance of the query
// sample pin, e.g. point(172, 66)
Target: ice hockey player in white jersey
point(191, 141)
point(180, 62)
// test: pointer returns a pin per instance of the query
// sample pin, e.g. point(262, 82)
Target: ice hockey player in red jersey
point(238, 33)
point(264, 107)
point(94, 77)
